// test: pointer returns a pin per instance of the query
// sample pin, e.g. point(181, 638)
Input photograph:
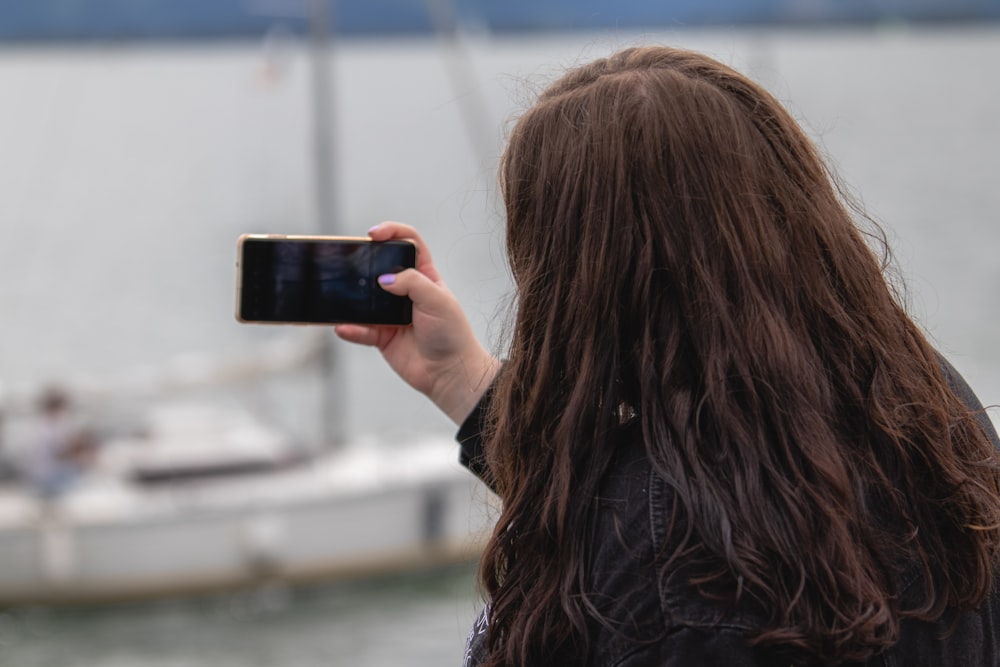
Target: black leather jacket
point(667, 624)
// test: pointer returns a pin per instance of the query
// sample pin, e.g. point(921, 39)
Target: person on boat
point(717, 436)
point(62, 450)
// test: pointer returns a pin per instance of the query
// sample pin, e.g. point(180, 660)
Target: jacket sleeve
point(470, 439)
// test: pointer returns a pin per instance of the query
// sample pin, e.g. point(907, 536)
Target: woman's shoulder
point(964, 392)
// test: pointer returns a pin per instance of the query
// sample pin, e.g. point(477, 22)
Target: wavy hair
point(681, 252)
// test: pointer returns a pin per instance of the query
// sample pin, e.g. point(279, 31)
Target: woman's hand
point(438, 355)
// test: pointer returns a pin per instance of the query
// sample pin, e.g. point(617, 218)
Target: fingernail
point(375, 228)
point(387, 279)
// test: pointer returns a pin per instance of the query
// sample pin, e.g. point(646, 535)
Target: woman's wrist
point(458, 390)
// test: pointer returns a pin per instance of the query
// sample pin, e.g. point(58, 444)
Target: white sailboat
point(206, 498)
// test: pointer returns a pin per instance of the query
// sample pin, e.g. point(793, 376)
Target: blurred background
point(253, 495)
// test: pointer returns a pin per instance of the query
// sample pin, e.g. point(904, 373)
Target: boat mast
point(325, 185)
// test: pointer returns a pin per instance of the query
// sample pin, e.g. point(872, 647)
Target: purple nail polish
point(387, 279)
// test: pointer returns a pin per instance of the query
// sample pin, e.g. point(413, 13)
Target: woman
point(718, 438)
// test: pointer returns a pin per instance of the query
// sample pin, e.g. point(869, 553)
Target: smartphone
point(320, 280)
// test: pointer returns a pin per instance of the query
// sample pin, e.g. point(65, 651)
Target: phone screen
point(320, 280)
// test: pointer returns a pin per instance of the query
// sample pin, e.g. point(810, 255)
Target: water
point(420, 620)
point(128, 173)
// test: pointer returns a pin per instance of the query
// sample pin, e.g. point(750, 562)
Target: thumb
point(425, 294)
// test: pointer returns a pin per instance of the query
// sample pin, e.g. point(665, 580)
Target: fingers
point(389, 230)
point(357, 333)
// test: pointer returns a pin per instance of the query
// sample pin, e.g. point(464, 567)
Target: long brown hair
point(681, 254)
